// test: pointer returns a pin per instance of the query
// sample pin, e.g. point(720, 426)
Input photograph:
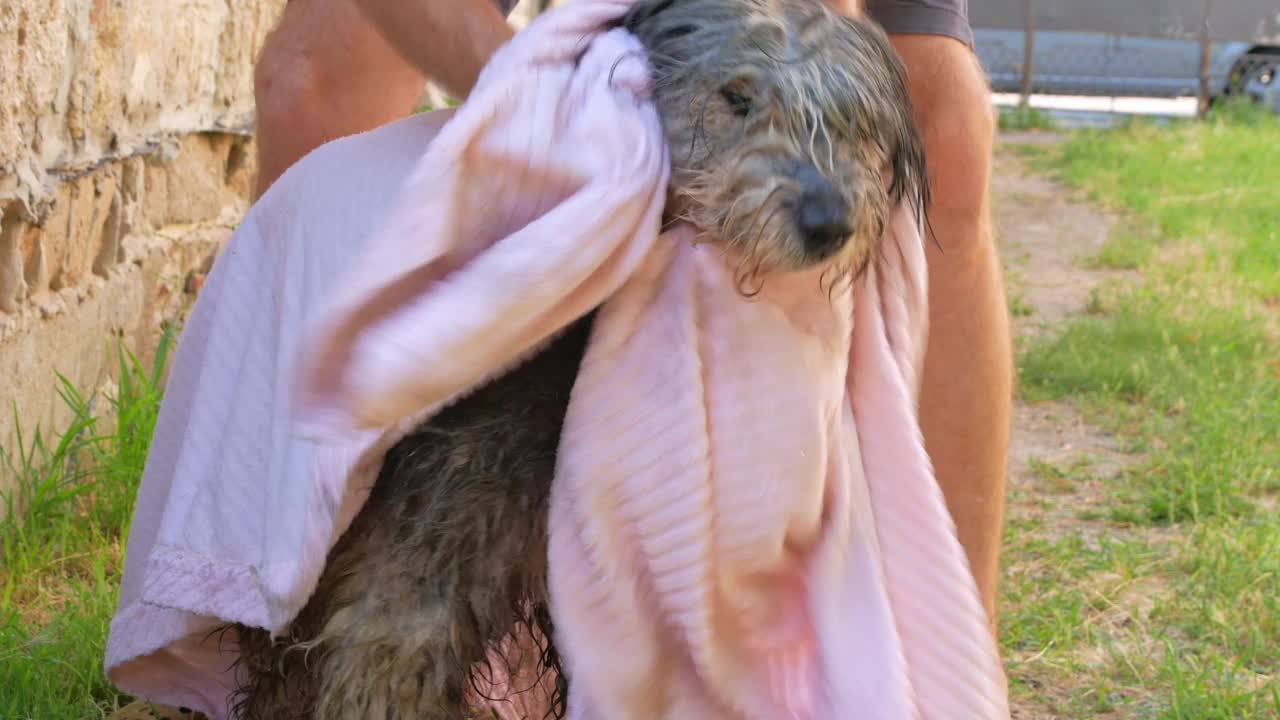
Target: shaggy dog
point(791, 138)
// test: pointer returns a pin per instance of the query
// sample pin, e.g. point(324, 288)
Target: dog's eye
point(738, 101)
point(679, 31)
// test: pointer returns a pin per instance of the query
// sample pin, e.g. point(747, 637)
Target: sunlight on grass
point(1211, 183)
point(1184, 366)
point(1190, 380)
point(1020, 117)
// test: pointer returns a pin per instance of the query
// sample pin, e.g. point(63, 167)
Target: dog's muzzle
point(821, 214)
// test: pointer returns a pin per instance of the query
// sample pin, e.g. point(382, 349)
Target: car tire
point(1252, 73)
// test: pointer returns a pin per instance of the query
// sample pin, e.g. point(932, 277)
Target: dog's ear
point(660, 30)
point(910, 169)
point(647, 20)
point(643, 11)
point(910, 166)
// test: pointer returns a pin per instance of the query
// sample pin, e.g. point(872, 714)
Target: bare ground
point(1044, 236)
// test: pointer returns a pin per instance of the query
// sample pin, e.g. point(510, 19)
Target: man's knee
point(323, 73)
point(277, 85)
point(326, 66)
point(287, 84)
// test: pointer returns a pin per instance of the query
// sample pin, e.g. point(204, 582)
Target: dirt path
point(1044, 236)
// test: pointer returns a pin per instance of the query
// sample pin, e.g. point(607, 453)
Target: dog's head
point(789, 127)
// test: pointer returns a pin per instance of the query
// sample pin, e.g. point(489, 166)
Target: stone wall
point(126, 160)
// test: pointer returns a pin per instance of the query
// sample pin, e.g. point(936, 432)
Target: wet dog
point(791, 140)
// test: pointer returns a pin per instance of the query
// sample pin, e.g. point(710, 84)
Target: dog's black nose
point(821, 216)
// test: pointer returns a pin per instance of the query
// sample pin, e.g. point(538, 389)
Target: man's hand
point(449, 41)
point(332, 68)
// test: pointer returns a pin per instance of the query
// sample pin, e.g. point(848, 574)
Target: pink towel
point(744, 521)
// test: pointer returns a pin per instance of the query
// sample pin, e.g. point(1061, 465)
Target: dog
point(791, 139)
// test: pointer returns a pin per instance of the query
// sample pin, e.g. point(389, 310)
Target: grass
point(1018, 305)
point(1024, 117)
point(1166, 603)
point(61, 537)
point(448, 103)
point(1212, 183)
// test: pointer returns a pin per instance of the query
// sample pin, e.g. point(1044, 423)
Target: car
point(1136, 48)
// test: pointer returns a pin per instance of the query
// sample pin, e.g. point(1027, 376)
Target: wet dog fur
point(791, 139)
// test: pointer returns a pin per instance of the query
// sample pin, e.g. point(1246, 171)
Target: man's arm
point(450, 41)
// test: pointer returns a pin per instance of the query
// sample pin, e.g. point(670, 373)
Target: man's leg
point(323, 73)
point(966, 398)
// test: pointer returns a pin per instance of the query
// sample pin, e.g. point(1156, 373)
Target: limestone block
point(86, 80)
point(240, 167)
point(70, 239)
point(109, 248)
point(13, 286)
point(125, 160)
point(189, 183)
point(73, 331)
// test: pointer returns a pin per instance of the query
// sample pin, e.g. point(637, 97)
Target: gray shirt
point(927, 17)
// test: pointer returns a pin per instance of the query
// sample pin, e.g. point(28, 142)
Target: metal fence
point(1117, 56)
point(1196, 51)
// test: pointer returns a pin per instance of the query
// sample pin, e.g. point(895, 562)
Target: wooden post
point(1202, 108)
point(1028, 44)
